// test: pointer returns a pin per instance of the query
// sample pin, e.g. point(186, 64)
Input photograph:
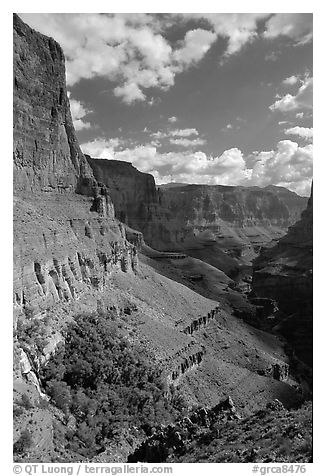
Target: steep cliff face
point(293, 202)
point(63, 242)
point(217, 207)
point(67, 242)
point(235, 221)
point(137, 202)
point(284, 273)
point(133, 192)
point(46, 152)
point(225, 226)
point(62, 249)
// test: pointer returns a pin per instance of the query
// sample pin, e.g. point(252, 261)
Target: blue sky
point(195, 98)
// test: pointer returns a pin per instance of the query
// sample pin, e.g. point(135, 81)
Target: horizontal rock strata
point(284, 274)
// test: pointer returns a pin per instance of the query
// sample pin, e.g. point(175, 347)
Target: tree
point(106, 383)
point(60, 392)
point(25, 441)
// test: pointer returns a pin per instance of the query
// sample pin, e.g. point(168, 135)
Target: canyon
point(222, 225)
point(171, 267)
point(285, 273)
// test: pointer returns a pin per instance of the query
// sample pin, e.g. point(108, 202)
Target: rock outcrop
point(173, 439)
point(61, 249)
point(188, 360)
point(278, 371)
point(284, 273)
point(201, 322)
point(64, 243)
point(46, 152)
point(133, 192)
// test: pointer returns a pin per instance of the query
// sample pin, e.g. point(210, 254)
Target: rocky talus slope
point(73, 257)
point(220, 435)
point(284, 273)
point(271, 435)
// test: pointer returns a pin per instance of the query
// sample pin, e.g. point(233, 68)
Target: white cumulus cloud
point(101, 148)
point(297, 26)
point(237, 28)
point(291, 80)
point(288, 165)
point(184, 142)
point(184, 132)
point(195, 45)
point(176, 133)
point(128, 49)
point(302, 100)
point(304, 132)
point(132, 50)
point(129, 92)
point(78, 111)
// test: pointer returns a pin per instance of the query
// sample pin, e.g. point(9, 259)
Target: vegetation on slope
point(106, 385)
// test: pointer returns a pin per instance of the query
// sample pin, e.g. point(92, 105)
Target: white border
point(173, 6)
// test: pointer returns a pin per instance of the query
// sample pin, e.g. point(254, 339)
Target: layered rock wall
point(46, 152)
point(133, 192)
point(203, 206)
point(201, 322)
point(61, 249)
point(64, 243)
point(284, 273)
point(192, 217)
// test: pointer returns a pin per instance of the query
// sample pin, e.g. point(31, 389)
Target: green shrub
point(43, 404)
point(17, 411)
point(60, 392)
point(32, 332)
point(106, 383)
point(26, 402)
point(25, 441)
